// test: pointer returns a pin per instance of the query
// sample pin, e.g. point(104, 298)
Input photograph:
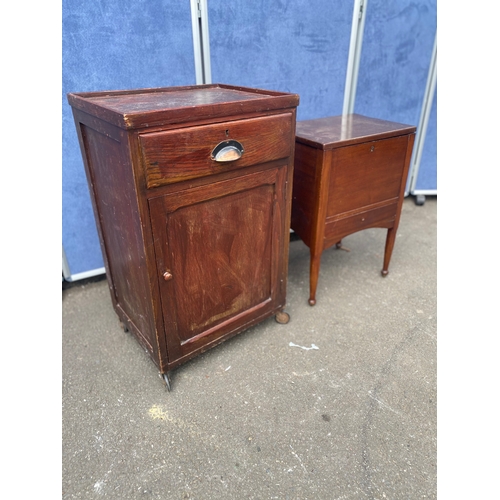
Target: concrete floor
point(258, 417)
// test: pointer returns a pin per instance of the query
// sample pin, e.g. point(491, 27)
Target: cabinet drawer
point(337, 228)
point(179, 155)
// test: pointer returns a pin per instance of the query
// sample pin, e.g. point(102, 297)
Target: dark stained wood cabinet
point(350, 174)
point(191, 190)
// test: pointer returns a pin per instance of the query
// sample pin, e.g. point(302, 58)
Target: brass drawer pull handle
point(167, 276)
point(227, 151)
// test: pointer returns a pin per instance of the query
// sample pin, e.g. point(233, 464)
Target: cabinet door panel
point(219, 245)
point(366, 174)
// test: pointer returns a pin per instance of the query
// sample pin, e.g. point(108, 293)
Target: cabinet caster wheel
point(124, 327)
point(166, 379)
point(282, 317)
point(420, 199)
point(312, 302)
point(384, 273)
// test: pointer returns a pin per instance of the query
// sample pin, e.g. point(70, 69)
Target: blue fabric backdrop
point(113, 44)
point(300, 46)
point(397, 50)
point(427, 172)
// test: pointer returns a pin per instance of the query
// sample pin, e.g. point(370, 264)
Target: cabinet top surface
point(146, 107)
point(338, 131)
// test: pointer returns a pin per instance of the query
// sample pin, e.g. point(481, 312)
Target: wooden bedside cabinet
point(350, 174)
point(191, 190)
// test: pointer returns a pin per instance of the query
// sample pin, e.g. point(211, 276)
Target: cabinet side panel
point(303, 197)
point(121, 238)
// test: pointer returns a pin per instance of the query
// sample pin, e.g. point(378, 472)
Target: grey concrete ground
point(256, 417)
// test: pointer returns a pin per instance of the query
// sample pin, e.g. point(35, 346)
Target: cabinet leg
point(166, 378)
point(282, 317)
point(313, 277)
point(389, 245)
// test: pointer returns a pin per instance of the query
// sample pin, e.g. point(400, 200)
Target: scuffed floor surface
point(338, 404)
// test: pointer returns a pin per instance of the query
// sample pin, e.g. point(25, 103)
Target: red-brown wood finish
point(195, 250)
point(350, 174)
